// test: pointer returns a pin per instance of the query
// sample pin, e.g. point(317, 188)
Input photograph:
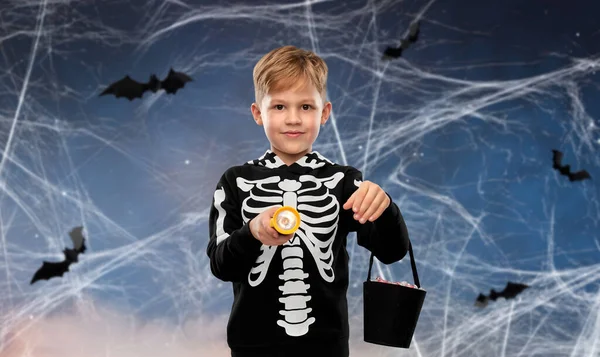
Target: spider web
point(458, 131)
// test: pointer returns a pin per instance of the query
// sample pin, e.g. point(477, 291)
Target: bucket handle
point(412, 265)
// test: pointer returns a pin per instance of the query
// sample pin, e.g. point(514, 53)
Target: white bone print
point(295, 291)
point(264, 259)
point(296, 320)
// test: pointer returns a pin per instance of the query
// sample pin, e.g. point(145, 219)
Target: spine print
point(296, 319)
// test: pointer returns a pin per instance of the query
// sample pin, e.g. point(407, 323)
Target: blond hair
point(286, 66)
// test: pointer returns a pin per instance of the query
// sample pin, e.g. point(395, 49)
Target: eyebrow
point(301, 100)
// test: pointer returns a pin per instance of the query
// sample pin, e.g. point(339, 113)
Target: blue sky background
point(459, 131)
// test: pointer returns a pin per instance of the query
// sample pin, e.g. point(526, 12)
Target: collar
point(311, 160)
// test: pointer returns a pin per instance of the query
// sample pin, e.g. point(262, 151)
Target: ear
point(325, 113)
point(256, 114)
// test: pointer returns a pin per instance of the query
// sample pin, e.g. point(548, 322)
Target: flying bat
point(510, 292)
point(50, 270)
point(413, 35)
point(131, 89)
point(565, 170)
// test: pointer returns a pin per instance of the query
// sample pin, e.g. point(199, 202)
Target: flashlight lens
point(286, 220)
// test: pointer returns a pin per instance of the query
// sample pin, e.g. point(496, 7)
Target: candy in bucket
point(403, 283)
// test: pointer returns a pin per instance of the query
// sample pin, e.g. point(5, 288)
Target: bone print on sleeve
point(386, 237)
point(231, 248)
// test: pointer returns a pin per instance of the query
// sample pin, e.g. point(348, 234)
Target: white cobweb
point(467, 161)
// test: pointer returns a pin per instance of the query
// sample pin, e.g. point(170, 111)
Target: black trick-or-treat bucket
point(391, 310)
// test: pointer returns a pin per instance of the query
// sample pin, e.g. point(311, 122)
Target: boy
point(290, 291)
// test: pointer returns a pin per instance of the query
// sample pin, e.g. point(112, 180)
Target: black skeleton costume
point(293, 297)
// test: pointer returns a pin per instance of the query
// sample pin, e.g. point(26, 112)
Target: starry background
point(459, 131)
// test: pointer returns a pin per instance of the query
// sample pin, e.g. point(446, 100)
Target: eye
point(307, 105)
point(277, 106)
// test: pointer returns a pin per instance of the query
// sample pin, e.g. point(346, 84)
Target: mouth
point(293, 133)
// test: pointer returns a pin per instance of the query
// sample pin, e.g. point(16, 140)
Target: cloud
point(103, 332)
point(98, 330)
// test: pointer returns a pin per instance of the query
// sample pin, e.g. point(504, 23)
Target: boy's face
point(291, 119)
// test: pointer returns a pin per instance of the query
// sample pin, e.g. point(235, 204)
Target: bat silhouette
point(565, 170)
point(510, 291)
point(413, 35)
point(131, 89)
point(50, 270)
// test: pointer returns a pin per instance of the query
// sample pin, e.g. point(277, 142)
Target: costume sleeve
point(386, 237)
point(232, 248)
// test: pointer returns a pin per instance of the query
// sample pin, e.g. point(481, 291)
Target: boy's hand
point(260, 227)
point(368, 202)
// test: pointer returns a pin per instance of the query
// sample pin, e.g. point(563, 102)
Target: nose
point(293, 118)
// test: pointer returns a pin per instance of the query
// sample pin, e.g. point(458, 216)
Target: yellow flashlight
point(286, 220)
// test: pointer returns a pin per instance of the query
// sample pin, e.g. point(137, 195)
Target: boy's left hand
point(368, 202)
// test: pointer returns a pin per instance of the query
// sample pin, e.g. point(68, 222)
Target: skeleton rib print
point(319, 212)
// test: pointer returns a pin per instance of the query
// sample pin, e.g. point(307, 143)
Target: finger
point(271, 232)
point(271, 242)
point(273, 209)
point(287, 237)
point(359, 199)
point(359, 196)
point(280, 240)
point(367, 202)
point(266, 240)
point(380, 210)
point(269, 228)
point(350, 201)
point(376, 203)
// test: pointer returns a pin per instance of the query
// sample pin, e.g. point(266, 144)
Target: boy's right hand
point(260, 227)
